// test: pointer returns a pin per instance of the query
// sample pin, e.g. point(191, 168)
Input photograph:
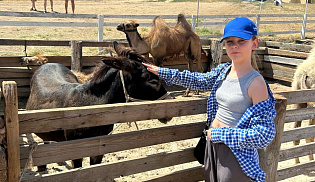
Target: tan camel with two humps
point(165, 41)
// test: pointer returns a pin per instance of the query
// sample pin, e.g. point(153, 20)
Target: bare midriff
point(217, 123)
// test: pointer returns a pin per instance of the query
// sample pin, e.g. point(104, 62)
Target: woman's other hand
point(209, 133)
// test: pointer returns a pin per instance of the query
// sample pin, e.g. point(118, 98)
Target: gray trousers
point(221, 164)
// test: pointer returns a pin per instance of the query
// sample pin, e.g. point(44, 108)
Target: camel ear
point(136, 24)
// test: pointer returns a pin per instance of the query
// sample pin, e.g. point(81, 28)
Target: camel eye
point(128, 25)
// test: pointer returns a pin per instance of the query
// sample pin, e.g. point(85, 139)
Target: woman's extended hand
point(152, 68)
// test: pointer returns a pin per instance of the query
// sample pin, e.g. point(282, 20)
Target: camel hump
point(181, 20)
point(181, 17)
point(159, 28)
point(159, 23)
point(157, 19)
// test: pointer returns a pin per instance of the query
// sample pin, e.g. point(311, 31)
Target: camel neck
point(137, 42)
point(133, 38)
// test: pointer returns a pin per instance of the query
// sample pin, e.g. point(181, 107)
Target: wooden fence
point(280, 60)
point(11, 68)
point(101, 21)
point(279, 63)
point(276, 60)
point(21, 122)
point(293, 115)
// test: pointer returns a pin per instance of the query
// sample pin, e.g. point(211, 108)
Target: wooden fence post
point(100, 31)
point(12, 129)
point(303, 26)
point(76, 55)
point(257, 22)
point(304, 21)
point(216, 50)
point(268, 157)
point(193, 22)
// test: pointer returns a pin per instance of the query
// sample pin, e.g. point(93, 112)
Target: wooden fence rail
point(281, 59)
point(204, 20)
point(292, 115)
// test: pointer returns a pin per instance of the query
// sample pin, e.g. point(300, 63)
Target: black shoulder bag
point(199, 151)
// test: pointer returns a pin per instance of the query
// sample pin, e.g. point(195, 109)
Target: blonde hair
point(255, 57)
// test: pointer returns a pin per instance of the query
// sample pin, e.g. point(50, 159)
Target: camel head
point(128, 26)
point(133, 37)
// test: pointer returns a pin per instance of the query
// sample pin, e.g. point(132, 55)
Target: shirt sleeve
point(195, 80)
point(258, 133)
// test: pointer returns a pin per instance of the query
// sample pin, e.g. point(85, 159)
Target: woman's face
point(240, 50)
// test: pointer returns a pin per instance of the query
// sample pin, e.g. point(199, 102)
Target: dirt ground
point(137, 7)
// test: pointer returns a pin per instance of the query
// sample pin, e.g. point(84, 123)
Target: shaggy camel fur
point(304, 78)
point(166, 41)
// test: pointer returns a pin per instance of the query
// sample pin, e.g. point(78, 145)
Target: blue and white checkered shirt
point(255, 130)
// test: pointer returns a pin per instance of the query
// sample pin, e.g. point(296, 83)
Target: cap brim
point(242, 35)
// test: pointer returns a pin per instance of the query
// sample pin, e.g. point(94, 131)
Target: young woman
point(240, 109)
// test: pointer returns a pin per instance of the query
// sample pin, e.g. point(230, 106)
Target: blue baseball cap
point(241, 27)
